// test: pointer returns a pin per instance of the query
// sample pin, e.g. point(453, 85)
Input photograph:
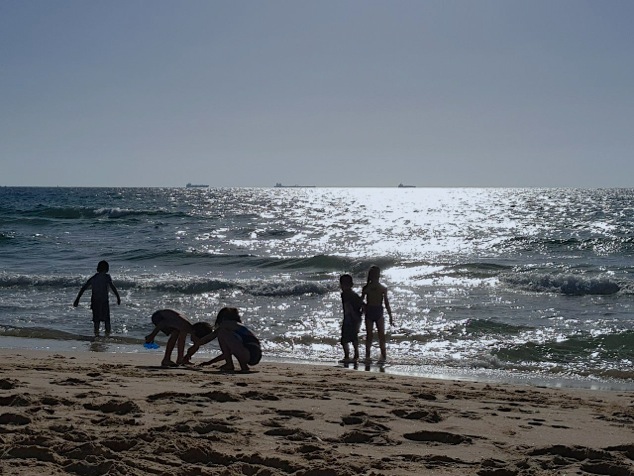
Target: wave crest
point(78, 213)
point(571, 285)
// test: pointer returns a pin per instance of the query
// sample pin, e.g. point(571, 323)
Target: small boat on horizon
point(400, 185)
point(279, 185)
point(195, 185)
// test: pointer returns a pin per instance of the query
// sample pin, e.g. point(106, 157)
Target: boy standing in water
point(375, 294)
point(100, 283)
point(352, 310)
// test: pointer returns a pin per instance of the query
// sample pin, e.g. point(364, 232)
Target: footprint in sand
point(368, 432)
point(14, 419)
point(354, 419)
point(254, 395)
point(91, 394)
point(367, 435)
point(612, 460)
point(15, 401)
point(214, 396)
point(114, 406)
point(491, 467)
point(50, 401)
point(221, 397)
point(213, 426)
point(120, 444)
point(292, 434)
point(425, 396)
point(437, 437)
point(296, 414)
point(31, 452)
point(172, 397)
point(578, 453)
point(430, 416)
point(72, 382)
point(9, 384)
point(363, 419)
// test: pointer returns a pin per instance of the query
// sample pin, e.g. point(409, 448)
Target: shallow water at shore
point(106, 346)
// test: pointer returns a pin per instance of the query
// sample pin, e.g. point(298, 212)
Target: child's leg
point(231, 344)
point(346, 350)
point(108, 326)
point(225, 349)
point(98, 314)
point(380, 325)
point(182, 338)
point(368, 338)
point(355, 346)
point(169, 347)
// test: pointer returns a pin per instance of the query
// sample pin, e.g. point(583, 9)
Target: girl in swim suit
point(375, 295)
point(234, 338)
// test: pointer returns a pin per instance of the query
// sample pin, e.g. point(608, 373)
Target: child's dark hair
point(346, 279)
point(103, 266)
point(202, 329)
point(373, 274)
point(228, 314)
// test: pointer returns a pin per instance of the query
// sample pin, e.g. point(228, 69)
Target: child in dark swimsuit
point(375, 295)
point(234, 338)
point(352, 310)
point(177, 327)
point(101, 284)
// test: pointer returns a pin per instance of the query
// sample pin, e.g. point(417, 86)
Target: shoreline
point(96, 413)
point(486, 376)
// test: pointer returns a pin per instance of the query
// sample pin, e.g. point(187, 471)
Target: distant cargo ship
point(196, 185)
point(400, 185)
point(279, 185)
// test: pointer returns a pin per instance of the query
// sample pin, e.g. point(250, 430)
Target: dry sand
point(121, 414)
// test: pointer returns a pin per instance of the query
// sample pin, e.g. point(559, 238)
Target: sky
point(236, 93)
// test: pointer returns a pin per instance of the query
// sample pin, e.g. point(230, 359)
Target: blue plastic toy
point(151, 345)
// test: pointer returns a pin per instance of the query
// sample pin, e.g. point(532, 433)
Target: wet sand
point(122, 414)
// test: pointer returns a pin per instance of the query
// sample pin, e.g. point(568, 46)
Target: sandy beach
point(122, 414)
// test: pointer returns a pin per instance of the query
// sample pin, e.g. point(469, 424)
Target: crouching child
point(177, 327)
point(234, 338)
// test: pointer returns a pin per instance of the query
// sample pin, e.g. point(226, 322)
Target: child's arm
point(359, 304)
point(81, 291)
point(213, 361)
point(197, 343)
point(150, 337)
point(116, 293)
point(191, 351)
point(387, 307)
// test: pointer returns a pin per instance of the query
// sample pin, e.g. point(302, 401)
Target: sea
point(532, 285)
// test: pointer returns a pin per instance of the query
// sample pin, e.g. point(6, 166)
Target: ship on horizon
point(196, 185)
point(279, 185)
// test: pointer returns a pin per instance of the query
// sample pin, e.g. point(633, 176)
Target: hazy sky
point(319, 92)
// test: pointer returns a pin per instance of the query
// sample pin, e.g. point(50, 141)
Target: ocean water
point(484, 283)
